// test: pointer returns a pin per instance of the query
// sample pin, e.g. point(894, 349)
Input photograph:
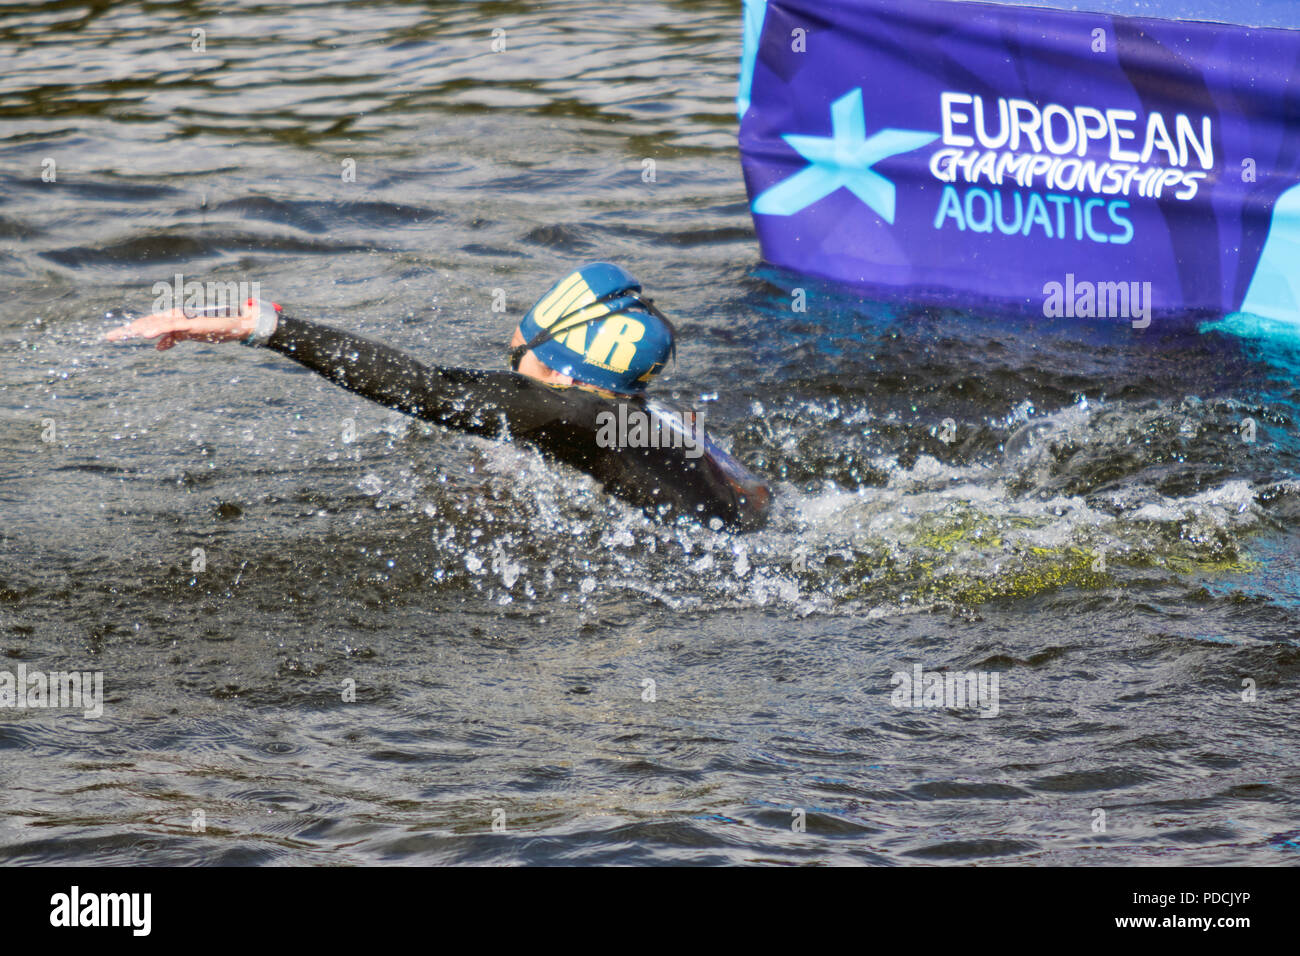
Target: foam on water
point(1019, 521)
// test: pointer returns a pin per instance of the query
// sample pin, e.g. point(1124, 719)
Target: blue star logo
point(843, 159)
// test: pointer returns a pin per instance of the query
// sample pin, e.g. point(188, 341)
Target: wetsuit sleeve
point(466, 400)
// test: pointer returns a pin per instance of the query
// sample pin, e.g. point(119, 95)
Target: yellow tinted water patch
point(922, 566)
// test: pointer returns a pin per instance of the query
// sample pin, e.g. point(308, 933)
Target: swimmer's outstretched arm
point(476, 402)
point(559, 421)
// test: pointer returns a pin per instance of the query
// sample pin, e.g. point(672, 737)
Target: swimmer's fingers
point(174, 326)
point(149, 327)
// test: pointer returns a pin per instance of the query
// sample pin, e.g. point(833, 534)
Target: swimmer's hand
point(175, 326)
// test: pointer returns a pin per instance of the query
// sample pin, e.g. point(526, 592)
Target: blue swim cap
point(595, 326)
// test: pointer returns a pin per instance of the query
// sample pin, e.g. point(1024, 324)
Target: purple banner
point(1084, 164)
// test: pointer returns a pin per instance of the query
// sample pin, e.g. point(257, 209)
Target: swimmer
point(580, 361)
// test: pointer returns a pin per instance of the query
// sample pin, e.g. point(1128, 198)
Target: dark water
point(1095, 530)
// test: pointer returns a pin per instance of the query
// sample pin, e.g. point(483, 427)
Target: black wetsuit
point(562, 422)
